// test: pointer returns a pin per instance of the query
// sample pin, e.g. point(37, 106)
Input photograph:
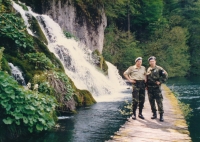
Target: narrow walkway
point(173, 129)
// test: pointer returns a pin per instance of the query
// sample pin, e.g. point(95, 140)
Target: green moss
point(102, 64)
point(87, 97)
point(181, 122)
point(41, 47)
point(105, 66)
point(78, 99)
point(35, 27)
point(82, 97)
point(5, 66)
point(24, 65)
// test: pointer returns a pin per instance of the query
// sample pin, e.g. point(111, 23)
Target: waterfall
point(77, 61)
point(17, 74)
point(24, 16)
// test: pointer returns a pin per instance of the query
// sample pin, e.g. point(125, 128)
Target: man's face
point(152, 62)
point(138, 63)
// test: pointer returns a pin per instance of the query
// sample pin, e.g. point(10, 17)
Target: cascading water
point(76, 58)
point(24, 16)
point(17, 74)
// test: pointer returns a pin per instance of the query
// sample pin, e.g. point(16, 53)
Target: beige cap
point(138, 58)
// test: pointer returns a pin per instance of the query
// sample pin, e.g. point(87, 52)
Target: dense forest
point(167, 29)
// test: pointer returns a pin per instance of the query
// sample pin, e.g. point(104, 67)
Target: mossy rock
point(82, 97)
point(102, 64)
point(87, 97)
point(41, 47)
point(35, 27)
point(78, 99)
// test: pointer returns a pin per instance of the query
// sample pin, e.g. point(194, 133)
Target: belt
point(140, 83)
point(139, 80)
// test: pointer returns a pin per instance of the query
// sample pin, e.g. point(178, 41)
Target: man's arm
point(163, 76)
point(128, 78)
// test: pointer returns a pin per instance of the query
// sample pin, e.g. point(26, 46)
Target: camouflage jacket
point(156, 74)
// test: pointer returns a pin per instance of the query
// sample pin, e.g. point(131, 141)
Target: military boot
point(154, 115)
point(161, 117)
point(134, 115)
point(140, 114)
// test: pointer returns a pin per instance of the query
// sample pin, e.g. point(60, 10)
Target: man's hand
point(157, 82)
point(132, 81)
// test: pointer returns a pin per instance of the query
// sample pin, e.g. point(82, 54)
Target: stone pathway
point(173, 129)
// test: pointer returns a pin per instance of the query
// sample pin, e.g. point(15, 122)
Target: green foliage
point(170, 50)
point(5, 66)
point(127, 109)
point(120, 48)
point(27, 68)
point(65, 79)
point(85, 98)
point(13, 29)
point(167, 29)
point(185, 108)
point(40, 60)
point(112, 9)
point(5, 6)
point(54, 83)
point(32, 111)
point(41, 47)
point(191, 13)
point(45, 88)
point(148, 12)
point(1, 55)
point(69, 35)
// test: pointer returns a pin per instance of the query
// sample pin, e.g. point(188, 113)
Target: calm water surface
point(189, 93)
point(96, 123)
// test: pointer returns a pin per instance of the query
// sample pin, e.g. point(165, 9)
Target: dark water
point(189, 93)
point(96, 123)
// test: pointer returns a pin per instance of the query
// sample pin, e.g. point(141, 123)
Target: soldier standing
point(156, 75)
point(136, 75)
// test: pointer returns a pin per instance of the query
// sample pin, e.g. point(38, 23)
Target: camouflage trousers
point(138, 95)
point(154, 94)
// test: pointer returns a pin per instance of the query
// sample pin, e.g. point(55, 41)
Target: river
point(189, 93)
point(96, 123)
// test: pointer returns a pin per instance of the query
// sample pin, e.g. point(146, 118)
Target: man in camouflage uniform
point(156, 75)
point(136, 75)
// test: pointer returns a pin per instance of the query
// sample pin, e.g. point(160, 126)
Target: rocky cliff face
point(75, 20)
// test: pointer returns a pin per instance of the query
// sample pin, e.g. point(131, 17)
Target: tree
point(171, 51)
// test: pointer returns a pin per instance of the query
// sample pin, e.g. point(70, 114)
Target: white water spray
point(76, 59)
point(17, 74)
point(24, 16)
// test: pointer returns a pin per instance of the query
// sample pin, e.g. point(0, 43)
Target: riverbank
point(174, 127)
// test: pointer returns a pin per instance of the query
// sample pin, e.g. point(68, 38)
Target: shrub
point(32, 111)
